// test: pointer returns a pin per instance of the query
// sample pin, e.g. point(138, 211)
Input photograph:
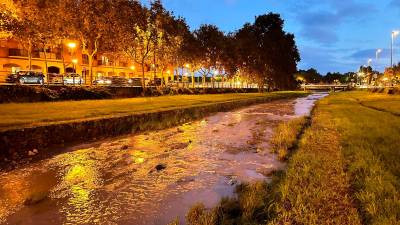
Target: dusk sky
point(332, 35)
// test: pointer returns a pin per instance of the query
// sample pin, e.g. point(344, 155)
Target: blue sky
point(332, 35)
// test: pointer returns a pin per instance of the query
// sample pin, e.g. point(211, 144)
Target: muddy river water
point(149, 178)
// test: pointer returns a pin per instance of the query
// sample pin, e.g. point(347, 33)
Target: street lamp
point(74, 62)
point(71, 45)
point(378, 51)
point(133, 68)
point(394, 35)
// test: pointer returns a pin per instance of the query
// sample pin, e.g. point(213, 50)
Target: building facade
point(67, 57)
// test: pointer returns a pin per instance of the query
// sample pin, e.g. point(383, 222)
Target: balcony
point(36, 54)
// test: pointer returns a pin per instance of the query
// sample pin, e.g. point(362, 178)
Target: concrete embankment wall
point(26, 93)
point(16, 143)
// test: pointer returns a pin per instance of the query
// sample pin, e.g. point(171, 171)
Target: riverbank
point(150, 177)
point(344, 171)
point(36, 93)
point(29, 128)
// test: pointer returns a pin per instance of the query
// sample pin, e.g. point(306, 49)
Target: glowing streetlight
point(132, 67)
point(71, 45)
point(75, 61)
point(378, 51)
point(168, 71)
point(394, 35)
point(187, 65)
point(369, 62)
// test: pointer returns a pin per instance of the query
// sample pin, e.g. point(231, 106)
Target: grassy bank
point(345, 170)
point(33, 114)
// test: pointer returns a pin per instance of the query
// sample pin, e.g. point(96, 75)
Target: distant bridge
point(328, 87)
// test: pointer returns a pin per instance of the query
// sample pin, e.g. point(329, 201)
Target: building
point(67, 57)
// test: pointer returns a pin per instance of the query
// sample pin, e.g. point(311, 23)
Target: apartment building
point(67, 57)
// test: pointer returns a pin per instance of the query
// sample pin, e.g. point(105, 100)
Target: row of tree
point(260, 52)
point(313, 76)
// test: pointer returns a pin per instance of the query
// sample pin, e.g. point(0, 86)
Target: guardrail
point(330, 87)
point(171, 84)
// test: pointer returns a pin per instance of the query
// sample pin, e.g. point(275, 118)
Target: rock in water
point(35, 198)
point(160, 167)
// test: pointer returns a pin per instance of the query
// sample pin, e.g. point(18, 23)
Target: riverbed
point(152, 177)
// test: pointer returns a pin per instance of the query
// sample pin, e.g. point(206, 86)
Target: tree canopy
point(156, 39)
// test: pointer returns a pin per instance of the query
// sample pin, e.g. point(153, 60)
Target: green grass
point(374, 101)
point(348, 159)
point(285, 136)
point(19, 115)
point(345, 170)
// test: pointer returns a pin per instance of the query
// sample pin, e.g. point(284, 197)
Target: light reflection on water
point(123, 180)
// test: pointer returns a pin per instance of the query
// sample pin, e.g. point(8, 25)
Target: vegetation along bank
point(343, 170)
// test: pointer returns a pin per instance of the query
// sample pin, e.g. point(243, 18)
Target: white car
point(73, 78)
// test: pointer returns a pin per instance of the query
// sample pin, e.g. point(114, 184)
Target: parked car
point(54, 78)
point(26, 77)
point(135, 82)
point(155, 82)
point(112, 81)
point(73, 78)
point(119, 81)
point(102, 81)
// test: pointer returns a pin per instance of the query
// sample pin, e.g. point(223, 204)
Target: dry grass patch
point(286, 135)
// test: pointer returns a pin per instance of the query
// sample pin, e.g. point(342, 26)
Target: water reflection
point(149, 178)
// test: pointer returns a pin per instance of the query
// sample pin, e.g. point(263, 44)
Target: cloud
point(395, 3)
point(320, 21)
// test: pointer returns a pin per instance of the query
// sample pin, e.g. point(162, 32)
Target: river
point(152, 177)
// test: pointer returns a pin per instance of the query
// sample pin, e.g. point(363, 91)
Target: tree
point(47, 29)
point(267, 53)
point(8, 19)
point(189, 53)
point(88, 21)
point(309, 76)
point(210, 40)
point(137, 33)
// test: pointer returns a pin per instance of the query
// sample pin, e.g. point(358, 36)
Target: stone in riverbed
point(160, 167)
point(33, 152)
point(35, 198)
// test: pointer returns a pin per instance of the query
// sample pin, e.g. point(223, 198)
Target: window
point(17, 52)
point(104, 60)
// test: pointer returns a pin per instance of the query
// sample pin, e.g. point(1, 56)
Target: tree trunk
point(45, 65)
point(143, 81)
point(30, 58)
point(192, 79)
point(90, 69)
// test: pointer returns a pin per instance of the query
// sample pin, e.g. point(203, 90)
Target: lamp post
point(394, 35)
point(71, 46)
point(133, 69)
point(74, 63)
